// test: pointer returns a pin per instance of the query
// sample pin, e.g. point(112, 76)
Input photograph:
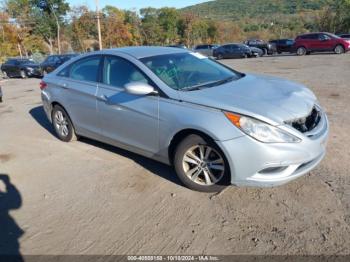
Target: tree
point(168, 19)
point(115, 31)
point(40, 17)
point(83, 28)
point(151, 30)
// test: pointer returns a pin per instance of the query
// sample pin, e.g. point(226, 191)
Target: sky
point(130, 4)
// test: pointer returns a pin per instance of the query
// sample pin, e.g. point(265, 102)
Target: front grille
point(308, 123)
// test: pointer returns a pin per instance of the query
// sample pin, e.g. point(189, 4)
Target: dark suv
point(267, 48)
point(283, 45)
point(346, 36)
point(320, 42)
point(54, 61)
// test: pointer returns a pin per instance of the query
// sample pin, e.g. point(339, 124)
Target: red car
point(320, 42)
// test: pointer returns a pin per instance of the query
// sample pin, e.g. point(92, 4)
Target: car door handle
point(64, 86)
point(103, 98)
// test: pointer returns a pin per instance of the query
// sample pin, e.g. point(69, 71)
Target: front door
point(127, 119)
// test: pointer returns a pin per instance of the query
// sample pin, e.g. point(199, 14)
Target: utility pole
point(98, 25)
point(58, 28)
point(58, 33)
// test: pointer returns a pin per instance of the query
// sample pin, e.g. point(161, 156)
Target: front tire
point(301, 51)
point(265, 52)
point(339, 49)
point(62, 125)
point(201, 165)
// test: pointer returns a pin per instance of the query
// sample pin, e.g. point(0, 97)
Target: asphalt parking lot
point(89, 198)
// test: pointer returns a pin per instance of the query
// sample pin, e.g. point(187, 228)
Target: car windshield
point(189, 71)
point(333, 35)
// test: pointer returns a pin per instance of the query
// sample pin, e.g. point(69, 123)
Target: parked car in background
point(214, 125)
point(232, 51)
point(346, 36)
point(267, 48)
point(206, 50)
point(19, 67)
point(178, 46)
point(256, 52)
point(320, 42)
point(283, 45)
point(0, 95)
point(53, 61)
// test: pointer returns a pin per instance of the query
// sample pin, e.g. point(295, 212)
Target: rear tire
point(23, 74)
point(62, 125)
point(339, 49)
point(301, 51)
point(220, 56)
point(201, 165)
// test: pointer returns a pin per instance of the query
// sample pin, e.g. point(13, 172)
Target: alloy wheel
point(23, 74)
point(203, 165)
point(339, 49)
point(301, 51)
point(61, 123)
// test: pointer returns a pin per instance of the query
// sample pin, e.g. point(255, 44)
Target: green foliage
point(35, 29)
point(237, 9)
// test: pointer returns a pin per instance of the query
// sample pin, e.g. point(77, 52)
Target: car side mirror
point(140, 89)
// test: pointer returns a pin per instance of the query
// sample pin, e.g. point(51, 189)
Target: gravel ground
point(89, 198)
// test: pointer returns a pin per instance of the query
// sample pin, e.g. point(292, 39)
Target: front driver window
point(118, 72)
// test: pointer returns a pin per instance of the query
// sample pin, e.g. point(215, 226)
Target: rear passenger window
point(85, 69)
point(118, 72)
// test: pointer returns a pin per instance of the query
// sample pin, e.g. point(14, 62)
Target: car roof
point(233, 44)
point(314, 33)
point(145, 51)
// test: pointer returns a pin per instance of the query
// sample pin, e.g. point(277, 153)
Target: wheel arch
point(337, 44)
point(55, 103)
point(182, 134)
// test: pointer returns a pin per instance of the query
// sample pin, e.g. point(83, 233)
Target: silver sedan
point(215, 125)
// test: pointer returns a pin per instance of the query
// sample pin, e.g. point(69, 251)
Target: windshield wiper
point(209, 84)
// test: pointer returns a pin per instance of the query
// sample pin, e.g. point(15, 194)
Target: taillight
point(43, 85)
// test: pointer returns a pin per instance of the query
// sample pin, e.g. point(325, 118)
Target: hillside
point(238, 9)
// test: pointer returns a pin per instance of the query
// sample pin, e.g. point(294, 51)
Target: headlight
point(30, 69)
point(261, 131)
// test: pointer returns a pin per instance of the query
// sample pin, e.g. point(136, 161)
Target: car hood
point(270, 99)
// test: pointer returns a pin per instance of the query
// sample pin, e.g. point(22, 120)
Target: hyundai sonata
point(215, 125)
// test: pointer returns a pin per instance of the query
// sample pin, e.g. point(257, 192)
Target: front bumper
point(253, 163)
point(34, 72)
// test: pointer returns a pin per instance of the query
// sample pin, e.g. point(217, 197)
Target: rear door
point(78, 89)
point(127, 119)
point(314, 43)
